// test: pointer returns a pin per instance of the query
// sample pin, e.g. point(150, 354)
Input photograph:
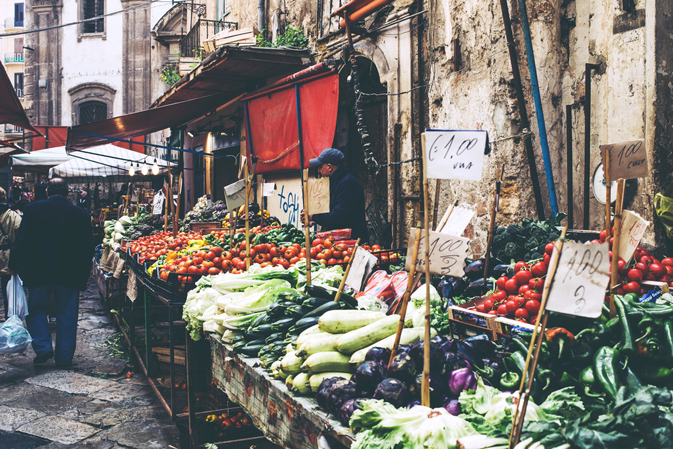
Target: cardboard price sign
point(458, 220)
point(158, 204)
point(628, 160)
point(632, 230)
point(447, 254)
point(269, 188)
point(455, 154)
point(361, 266)
point(318, 195)
point(234, 194)
point(583, 274)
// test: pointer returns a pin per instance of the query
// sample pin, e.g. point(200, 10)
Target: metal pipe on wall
point(587, 140)
point(569, 167)
point(260, 15)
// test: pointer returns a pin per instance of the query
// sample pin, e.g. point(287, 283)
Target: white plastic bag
point(18, 305)
point(13, 336)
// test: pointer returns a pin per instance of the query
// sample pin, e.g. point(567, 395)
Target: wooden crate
point(206, 227)
point(468, 323)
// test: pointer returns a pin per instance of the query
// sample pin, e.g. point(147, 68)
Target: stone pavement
point(94, 405)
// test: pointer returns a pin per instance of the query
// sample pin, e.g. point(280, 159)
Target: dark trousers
point(4, 280)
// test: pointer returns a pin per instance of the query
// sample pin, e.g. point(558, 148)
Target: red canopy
point(11, 110)
point(272, 120)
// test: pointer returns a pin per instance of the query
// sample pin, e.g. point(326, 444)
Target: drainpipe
point(260, 15)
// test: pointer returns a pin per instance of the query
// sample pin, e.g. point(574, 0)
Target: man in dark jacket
point(347, 198)
point(53, 250)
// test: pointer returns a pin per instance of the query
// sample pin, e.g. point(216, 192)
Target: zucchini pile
point(269, 335)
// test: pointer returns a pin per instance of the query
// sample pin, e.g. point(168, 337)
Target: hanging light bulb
point(145, 169)
point(155, 168)
point(132, 170)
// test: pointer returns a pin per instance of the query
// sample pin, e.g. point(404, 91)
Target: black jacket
point(54, 244)
point(347, 206)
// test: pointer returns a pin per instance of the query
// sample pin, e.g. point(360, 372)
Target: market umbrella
point(41, 159)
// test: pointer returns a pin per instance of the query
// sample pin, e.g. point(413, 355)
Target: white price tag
point(628, 160)
point(633, 228)
point(234, 194)
point(582, 276)
point(455, 154)
point(458, 220)
point(447, 253)
point(158, 204)
point(361, 265)
point(269, 188)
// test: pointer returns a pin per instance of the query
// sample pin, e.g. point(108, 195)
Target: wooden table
point(287, 420)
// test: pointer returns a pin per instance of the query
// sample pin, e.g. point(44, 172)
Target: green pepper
point(605, 370)
point(567, 380)
point(518, 360)
point(510, 380)
point(627, 345)
point(588, 381)
point(545, 376)
point(614, 326)
point(646, 327)
point(581, 353)
point(488, 373)
point(668, 337)
point(651, 348)
point(657, 374)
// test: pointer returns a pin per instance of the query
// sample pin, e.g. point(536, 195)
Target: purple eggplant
point(341, 391)
point(452, 406)
point(414, 403)
point(347, 409)
point(436, 352)
point(379, 355)
point(475, 270)
point(453, 362)
point(468, 353)
point(323, 391)
point(458, 286)
point(402, 367)
point(478, 288)
point(461, 380)
point(393, 391)
point(482, 346)
point(368, 375)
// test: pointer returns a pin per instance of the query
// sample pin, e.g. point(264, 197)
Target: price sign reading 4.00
point(447, 254)
point(583, 274)
point(455, 154)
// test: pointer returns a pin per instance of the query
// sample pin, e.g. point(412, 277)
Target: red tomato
point(657, 270)
point(331, 261)
point(511, 306)
point(512, 286)
point(521, 266)
point(336, 254)
point(523, 277)
point(521, 313)
point(501, 282)
point(536, 284)
point(273, 251)
point(545, 258)
point(498, 296)
point(209, 255)
point(492, 312)
point(603, 235)
point(622, 269)
point(549, 248)
point(643, 267)
point(635, 275)
point(539, 269)
point(502, 310)
point(668, 261)
point(647, 260)
point(534, 296)
point(532, 306)
point(632, 287)
point(669, 270)
point(216, 250)
point(488, 304)
point(481, 308)
point(524, 288)
point(213, 270)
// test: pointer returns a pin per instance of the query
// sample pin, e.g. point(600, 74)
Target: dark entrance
point(92, 111)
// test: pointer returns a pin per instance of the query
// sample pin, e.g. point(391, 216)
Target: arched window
point(92, 111)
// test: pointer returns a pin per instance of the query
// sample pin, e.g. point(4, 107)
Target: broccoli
point(509, 251)
point(499, 240)
point(513, 229)
point(532, 244)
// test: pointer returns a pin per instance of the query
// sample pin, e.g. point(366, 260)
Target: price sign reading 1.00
point(447, 253)
point(579, 284)
point(455, 154)
point(628, 160)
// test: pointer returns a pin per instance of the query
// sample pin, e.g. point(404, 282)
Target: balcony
point(191, 43)
point(14, 58)
point(11, 129)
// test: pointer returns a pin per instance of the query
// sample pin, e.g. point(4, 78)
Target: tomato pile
point(154, 246)
point(519, 297)
point(329, 252)
point(226, 420)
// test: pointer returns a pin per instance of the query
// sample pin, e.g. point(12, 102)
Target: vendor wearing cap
point(347, 198)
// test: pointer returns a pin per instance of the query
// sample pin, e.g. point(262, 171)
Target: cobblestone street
point(92, 405)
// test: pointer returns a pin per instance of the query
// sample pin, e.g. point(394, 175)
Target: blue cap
point(328, 156)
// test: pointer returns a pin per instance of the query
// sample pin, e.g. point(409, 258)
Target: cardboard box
point(504, 327)
point(468, 323)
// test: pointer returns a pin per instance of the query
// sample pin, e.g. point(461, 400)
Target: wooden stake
point(425, 385)
point(608, 193)
point(348, 269)
point(494, 210)
point(247, 218)
point(536, 343)
point(407, 293)
point(434, 214)
point(445, 220)
point(306, 226)
point(614, 276)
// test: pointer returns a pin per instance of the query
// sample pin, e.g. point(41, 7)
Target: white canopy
point(48, 157)
point(106, 161)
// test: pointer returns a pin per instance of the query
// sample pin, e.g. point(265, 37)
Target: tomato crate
point(171, 288)
point(468, 323)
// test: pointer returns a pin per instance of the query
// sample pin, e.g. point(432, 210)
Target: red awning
point(272, 120)
point(11, 110)
point(141, 123)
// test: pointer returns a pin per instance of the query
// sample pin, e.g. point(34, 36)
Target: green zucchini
point(276, 309)
point(331, 305)
point(282, 325)
point(314, 302)
point(319, 292)
point(303, 324)
point(237, 338)
point(250, 336)
point(250, 351)
point(276, 336)
point(263, 329)
point(297, 311)
point(300, 384)
point(291, 363)
point(348, 299)
point(239, 345)
point(259, 321)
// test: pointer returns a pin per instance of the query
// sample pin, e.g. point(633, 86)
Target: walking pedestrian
point(54, 248)
point(9, 224)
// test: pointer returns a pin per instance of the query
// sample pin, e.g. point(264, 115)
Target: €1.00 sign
point(455, 154)
point(447, 253)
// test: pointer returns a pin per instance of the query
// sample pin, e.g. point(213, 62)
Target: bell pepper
point(588, 381)
point(646, 327)
point(667, 333)
point(510, 380)
point(651, 348)
point(488, 373)
point(567, 380)
point(596, 335)
point(627, 345)
point(518, 344)
point(581, 353)
point(605, 370)
point(518, 364)
point(545, 376)
point(560, 340)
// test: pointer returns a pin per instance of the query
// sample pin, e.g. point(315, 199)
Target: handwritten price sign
point(318, 195)
point(633, 228)
point(455, 154)
point(628, 160)
point(583, 274)
point(234, 194)
point(447, 253)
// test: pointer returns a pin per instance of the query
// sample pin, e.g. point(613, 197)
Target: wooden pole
point(176, 217)
point(434, 213)
point(307, 230)
point(247, 217)
point(425, 385)
point(608, 193)
point(446, 218)
point(348, 269)
point(536, 344)
point(407, 293)
point(614, 276)
point(494, 210)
